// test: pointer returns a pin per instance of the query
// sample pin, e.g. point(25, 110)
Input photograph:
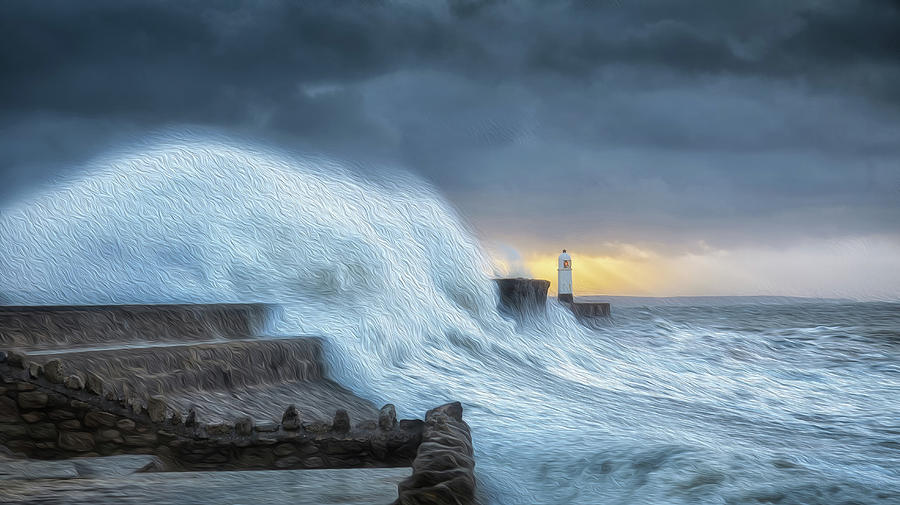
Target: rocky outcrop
point(444, 467)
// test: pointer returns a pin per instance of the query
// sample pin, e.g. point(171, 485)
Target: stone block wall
point(47, 416)
point(444, 467)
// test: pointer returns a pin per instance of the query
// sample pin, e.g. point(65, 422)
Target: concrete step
point(222, 380)
point(67, 326)
point(229, 364)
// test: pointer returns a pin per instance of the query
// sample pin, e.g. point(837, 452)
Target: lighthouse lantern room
point(564, 284)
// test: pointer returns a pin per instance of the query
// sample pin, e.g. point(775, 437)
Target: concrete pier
point(519, 295)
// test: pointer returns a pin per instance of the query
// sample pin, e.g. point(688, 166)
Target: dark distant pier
point(588, 309)
point(520, 295)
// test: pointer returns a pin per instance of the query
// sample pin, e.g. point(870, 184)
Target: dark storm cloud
point(763, 37)
point(696, 117)
point(189, 61)
point(219, 62)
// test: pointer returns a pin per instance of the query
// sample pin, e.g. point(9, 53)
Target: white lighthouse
point(564, 284)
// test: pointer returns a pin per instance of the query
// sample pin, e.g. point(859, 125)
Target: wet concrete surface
point(115, 480)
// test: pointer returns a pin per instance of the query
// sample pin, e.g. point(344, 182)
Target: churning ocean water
point(740, 404)
point(718, 404)
point(787, 404)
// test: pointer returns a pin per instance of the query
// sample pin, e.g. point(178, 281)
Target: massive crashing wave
point(192, 219)
point(385, 270)
point(202, 219)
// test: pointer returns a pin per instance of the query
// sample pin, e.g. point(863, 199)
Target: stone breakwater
point(102, 399)
point(51, 415)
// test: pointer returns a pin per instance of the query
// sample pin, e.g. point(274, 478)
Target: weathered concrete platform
point(16, 469)
point(357, 486)
point(208, 357)
point(255, 378)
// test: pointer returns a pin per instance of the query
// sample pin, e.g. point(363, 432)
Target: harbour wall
point(77, 381)
point(46, 414)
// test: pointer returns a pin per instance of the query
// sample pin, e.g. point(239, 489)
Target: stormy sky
point(679, 147)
